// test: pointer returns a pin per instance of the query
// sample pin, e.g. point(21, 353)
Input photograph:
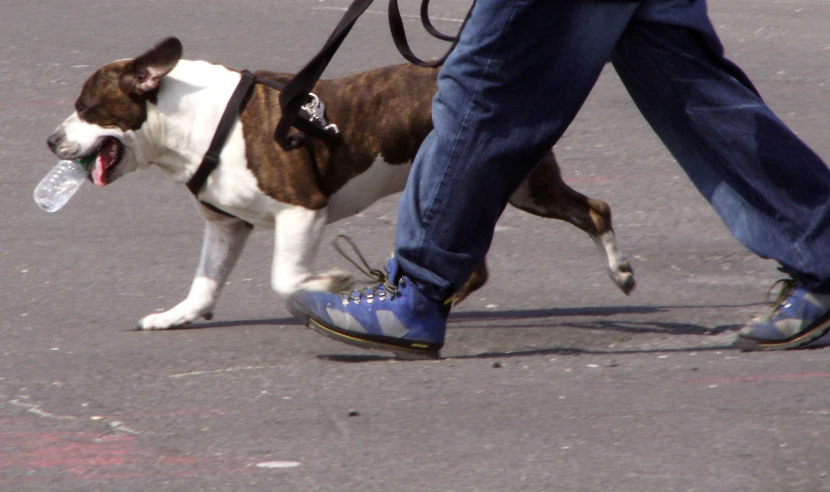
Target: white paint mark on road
point(35, 409)
point(278, 464)
point(217, 371)
point(120, 427)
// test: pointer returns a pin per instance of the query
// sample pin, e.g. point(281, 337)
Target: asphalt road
point(551, 379)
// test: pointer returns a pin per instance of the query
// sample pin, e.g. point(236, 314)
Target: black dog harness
point(301, 109)
point(312, 122)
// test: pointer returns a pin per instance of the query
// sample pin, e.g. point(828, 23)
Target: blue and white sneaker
point(799, 317)
point(393, 315)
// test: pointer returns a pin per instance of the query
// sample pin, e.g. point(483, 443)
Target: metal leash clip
point(315, 112)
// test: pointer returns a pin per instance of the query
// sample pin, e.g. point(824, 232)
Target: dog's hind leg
point(223, 242)
point(544, 194)
point(298, 231)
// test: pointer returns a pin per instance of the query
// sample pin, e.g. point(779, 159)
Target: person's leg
point(770, 189)
point(517, 78)
point(519, 74)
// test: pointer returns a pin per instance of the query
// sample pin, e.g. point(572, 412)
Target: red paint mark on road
point(63, 456)
point(69, 450)
point(765, 377)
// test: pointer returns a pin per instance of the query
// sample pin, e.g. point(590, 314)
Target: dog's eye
point(86, 112)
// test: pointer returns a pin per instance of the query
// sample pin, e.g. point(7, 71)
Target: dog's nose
point(54, 140)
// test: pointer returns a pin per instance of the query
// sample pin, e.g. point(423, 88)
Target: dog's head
point(111, 109)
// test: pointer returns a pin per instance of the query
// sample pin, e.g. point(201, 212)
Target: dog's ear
point(143, 73)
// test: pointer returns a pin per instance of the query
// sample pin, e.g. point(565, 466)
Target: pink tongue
point(98, 172)
point(102, 162)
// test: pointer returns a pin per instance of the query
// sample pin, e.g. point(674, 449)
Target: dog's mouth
point(104, 161)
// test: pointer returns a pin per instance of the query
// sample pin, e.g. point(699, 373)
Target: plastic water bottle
point(58, 186)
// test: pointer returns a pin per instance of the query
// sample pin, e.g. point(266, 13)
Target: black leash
point(399, 34)
point(295, 93)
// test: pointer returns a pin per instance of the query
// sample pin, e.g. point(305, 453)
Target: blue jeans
point(519, 75)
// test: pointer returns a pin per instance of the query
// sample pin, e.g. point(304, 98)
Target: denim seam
point(452, 159)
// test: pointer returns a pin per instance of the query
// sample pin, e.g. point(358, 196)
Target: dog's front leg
point(223, 242)
point(298, 231)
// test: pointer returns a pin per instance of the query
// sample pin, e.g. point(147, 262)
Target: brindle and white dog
point(158, 109)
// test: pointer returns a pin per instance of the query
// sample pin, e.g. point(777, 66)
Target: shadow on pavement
point(553, 314)
point(583, 311)
point(822, 343)
point(355, 358)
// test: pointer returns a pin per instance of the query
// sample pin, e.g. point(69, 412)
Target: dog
point(158, 109)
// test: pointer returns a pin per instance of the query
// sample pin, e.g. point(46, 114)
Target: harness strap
point(223, 129)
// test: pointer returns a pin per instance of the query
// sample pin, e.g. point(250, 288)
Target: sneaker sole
point(410, 351)
point(810, 335)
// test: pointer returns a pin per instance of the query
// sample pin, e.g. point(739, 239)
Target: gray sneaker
point(799, 317)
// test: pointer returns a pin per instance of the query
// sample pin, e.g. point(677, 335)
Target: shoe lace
point(383, 284)
point(788, 286)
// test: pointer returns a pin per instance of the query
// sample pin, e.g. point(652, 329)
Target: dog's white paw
point(177, 317)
